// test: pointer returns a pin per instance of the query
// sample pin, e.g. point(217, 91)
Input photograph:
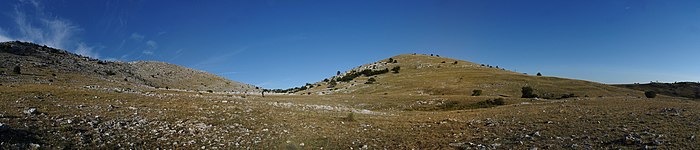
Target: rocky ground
point(82, 116)
point(76, 103)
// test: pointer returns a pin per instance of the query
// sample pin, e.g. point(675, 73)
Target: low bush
point(396, 69)
point(528, 92)
point(650, 94)
point(476, 93)
point(17, 70)
point(370, 81)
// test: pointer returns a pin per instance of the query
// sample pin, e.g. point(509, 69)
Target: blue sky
point(281, 44)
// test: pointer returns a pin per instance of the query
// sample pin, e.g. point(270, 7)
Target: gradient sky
point(281, 44)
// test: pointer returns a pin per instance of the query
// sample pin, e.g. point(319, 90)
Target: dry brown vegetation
point(79, 111)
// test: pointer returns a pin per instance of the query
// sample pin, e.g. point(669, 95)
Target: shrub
point(210, 91)
point(442, 62)
point(396, 69)
point(499, 101)
point(650, 94)
point(110, 73)
point(326, 80)
point(366, 72)
point(568, 96)
point(337, 73)
point(350, 117)
point(476, 93)
point(370, 81)
point(528, 92)
point(391, 60)
point(17, 70)
point(332, 84)
point(539, 74)
point(490, 103)
point(396, 61)
point(455, 62)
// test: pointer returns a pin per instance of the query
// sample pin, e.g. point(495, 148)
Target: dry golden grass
point(427, 75)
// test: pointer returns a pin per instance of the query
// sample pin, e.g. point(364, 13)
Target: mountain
point(42, 62)
point(433, 75)
point(678, 89)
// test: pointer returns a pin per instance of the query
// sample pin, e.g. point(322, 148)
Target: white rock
point(31, 111)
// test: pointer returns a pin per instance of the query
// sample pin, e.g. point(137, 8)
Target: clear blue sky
point(281, 44)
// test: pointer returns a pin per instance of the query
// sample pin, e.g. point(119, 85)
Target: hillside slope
point(42, 62)
point(679, 89)
point(433, 75)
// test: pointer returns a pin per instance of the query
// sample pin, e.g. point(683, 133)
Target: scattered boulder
point(31, 111)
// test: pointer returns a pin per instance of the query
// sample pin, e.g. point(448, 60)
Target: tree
point(396, 69)
point(528, 92)
point(650, 94)
point(17, 70)
point(476, 93)
point(337, 73)
point(539, 74)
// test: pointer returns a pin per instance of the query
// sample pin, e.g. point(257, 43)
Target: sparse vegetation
point(528, 92)
point(476, 93)
point(366, 72)
point(650, 94)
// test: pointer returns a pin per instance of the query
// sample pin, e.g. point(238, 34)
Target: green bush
point(476, 93)
point(499, 101)
point(370, 81)
point(366, 72)
point(528, 92)
point(17, 70)
point(396, 69)
point(490, 103)
point(332, 84)
point(650, 94)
